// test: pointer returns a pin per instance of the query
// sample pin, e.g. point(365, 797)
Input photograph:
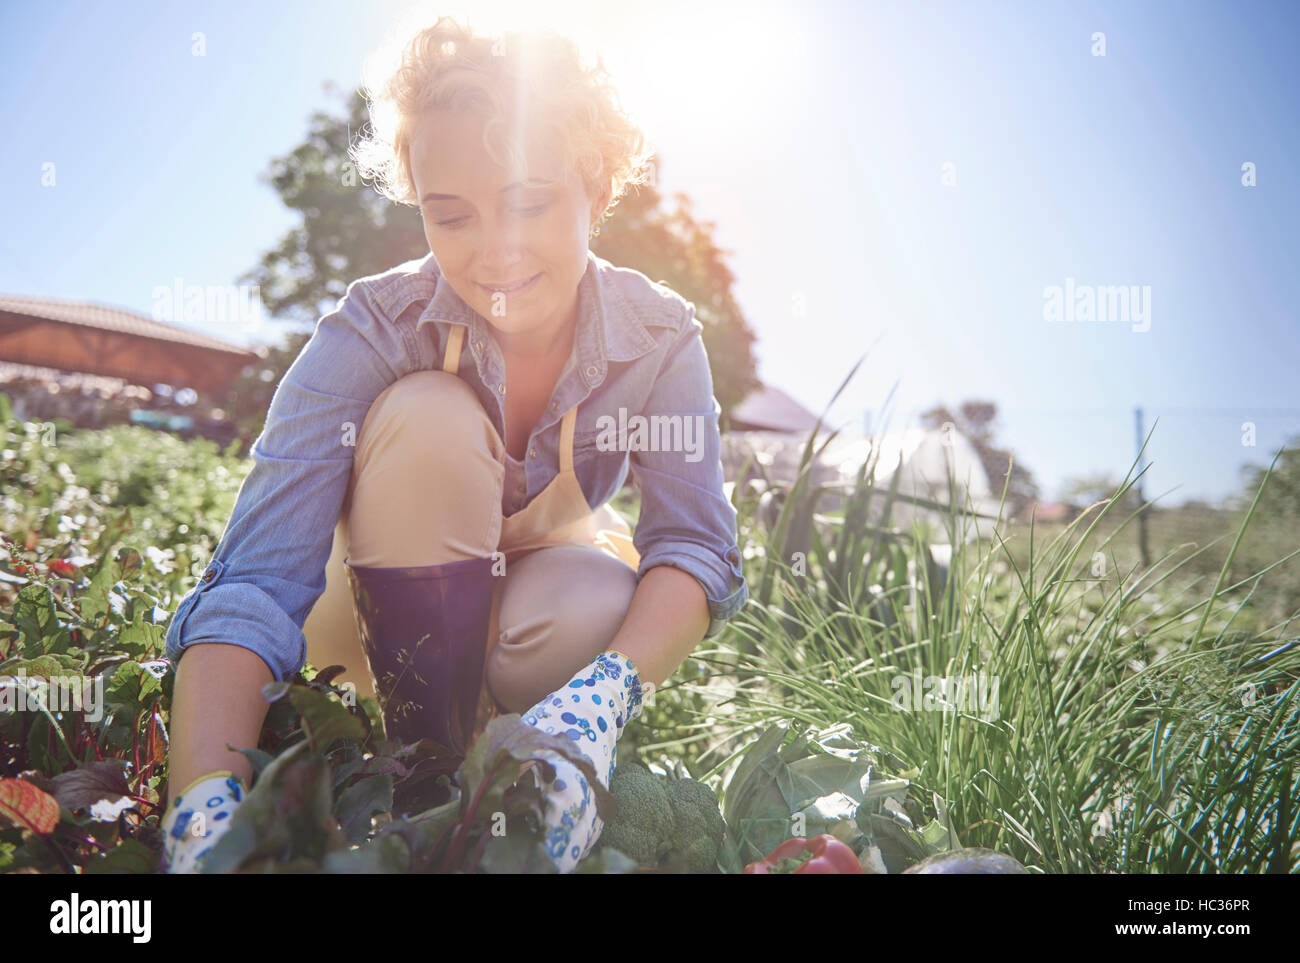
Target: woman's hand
point(197, 818)
point(592, 709)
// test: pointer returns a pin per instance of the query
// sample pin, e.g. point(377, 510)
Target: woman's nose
point(502, 245)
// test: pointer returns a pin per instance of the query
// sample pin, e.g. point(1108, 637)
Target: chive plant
point(1139, 723)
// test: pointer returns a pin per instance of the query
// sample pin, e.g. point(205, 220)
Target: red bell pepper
point(821, 854)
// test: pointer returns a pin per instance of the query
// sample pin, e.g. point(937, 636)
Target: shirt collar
point(610, 327)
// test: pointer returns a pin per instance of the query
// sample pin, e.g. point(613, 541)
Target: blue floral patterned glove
point(198, 817)
point(592, 710)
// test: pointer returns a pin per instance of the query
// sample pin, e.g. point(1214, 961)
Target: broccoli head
point(698, 826)
point(664, 822)
point(643, 822)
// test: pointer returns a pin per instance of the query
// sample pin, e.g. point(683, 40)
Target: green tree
point(678, 250)
point(1085, 490)
point(977, 421)
point(1281, 497)
point(348, 230)
point(1273, 534)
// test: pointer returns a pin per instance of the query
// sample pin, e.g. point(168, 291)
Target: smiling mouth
point(508, 288)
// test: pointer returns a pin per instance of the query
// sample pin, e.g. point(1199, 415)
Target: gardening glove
point(198, 817)
point(591, 709)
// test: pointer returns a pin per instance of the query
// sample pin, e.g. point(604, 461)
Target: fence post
point(1144, 548)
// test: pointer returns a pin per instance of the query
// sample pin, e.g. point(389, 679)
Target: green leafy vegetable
point(662, 822)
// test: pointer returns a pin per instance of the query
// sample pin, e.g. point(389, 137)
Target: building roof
point(107, 318)
point(771, 409)
point(99, 339)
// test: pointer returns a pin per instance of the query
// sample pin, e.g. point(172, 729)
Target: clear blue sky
point(815, 135)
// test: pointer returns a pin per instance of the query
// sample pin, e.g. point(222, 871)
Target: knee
point(565, 591)
point(430, 410)
point(557, 614)
point(597, 612)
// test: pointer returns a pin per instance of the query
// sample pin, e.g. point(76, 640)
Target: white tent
point(935, 462)
point(929, 458)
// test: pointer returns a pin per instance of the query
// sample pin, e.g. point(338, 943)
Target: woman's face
point(491, 228)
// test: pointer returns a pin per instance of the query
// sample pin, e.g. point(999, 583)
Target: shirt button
point(501, 388)
point(533, 453)
point(479, 345)
point(592, 370)
point(209, 575)
point(733, 557)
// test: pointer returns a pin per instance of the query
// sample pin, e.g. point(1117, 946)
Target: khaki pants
point(426, 487)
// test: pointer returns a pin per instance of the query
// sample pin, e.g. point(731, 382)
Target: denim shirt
point(637, 352)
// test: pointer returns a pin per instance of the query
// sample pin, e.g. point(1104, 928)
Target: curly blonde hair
point(532, 74)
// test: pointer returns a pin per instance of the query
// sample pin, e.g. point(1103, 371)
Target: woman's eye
point(530, 211)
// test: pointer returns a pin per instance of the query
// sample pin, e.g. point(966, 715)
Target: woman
point(458, 425)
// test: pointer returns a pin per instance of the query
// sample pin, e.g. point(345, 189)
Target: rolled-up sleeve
point(268, 570)
point(685, 519)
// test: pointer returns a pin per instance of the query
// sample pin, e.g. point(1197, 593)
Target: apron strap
point(450, 364)
point(566, 439)
point(455, 338)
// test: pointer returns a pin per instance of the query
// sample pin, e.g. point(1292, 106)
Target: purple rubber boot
point(424, 630)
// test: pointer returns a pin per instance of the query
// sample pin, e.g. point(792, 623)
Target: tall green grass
point(1140, 726)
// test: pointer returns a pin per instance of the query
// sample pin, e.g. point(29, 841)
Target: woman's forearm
point(217, 700)
point(667, 619)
